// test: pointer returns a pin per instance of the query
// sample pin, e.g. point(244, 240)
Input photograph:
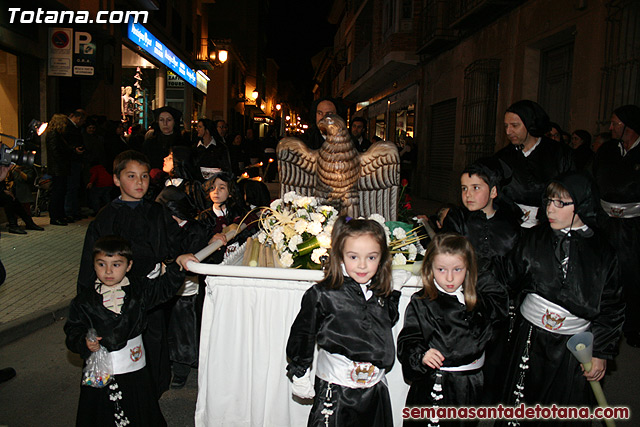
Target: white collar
point(624, 152)
point(568, 229)
point(457, 293)
point(526, 153)
point(222, 212)
point(368, 293)
point(211, 141)
point(173, 181)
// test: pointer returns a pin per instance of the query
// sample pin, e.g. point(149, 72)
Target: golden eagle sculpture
point(356, 184)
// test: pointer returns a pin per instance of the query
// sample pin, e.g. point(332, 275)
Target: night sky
point(298, 29)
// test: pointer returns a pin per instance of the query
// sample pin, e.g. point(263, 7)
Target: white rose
point(324, 239)
point(286, 259)
point(317, 254)
point(314, 228)
point(301, 226)
point(294, 242)
point(399, 259)
point(399, 233)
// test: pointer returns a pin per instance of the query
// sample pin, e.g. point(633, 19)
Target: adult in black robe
point(86, 311)
point(617, 172)
point(164, 134)
point(590, 290)
point(341, 321)
point(320, 108)
point(211, 151)
point(533, 165)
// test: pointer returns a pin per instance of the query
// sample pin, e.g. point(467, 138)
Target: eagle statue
point(356, 184)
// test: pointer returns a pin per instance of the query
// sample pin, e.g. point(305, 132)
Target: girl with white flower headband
point(349, 314)
point(447, 326)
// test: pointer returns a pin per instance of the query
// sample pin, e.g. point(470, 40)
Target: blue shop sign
point(147, 41)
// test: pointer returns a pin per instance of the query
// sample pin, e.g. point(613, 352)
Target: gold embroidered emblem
point(136, 353)
point(552, 321)
point(362, 372)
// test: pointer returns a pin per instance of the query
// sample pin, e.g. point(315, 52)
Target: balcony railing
point(435, 32)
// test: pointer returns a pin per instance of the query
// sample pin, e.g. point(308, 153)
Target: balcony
point(435, 33)
point(476, 13)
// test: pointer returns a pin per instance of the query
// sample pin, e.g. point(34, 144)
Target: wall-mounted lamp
point(278, 107)
point(255, 94)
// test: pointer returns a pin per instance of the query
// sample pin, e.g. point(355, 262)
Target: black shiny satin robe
point(618, 180)
point(139, 401)
point(591, 290)
point(153, 234)
point(342, 321)
point(532, 174)
point(461, 337)
point(490, 238)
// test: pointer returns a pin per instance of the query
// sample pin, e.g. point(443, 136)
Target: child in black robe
point(185, 309)
point(154, 237)
point(116, 307)
point(228, 208)
point(566, 271)
point(349, 314)
point(493, 230)
point(447, 326)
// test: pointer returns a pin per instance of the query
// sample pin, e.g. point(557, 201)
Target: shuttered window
point(443, 123)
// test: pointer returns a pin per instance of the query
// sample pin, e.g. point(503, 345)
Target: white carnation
point(276, 204)
point(324, 239)
point(262, 236)
point(277, 235)
point(294, 242)
point(399, 233)
point(318, 217)
point(301, 226)
point(302, 213)
point(314, 228)
point(413, 252)
point(289, 197)
point(286, 259)
point(317, 254)
point(378, 218)
point(399, 259)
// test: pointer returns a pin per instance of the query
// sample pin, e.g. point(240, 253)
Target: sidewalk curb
point(25, 325)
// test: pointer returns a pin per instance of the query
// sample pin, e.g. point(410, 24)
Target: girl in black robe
point(350, 316)
point(567, 273)
point(447, 326)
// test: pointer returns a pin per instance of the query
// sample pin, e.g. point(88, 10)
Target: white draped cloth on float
point(242, 378)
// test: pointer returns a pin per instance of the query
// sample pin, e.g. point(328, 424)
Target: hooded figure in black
point(533, 158)
point(566, 274)
point(166, 132)
point(617, 171)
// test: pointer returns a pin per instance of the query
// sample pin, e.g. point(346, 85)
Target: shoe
point(6, 374)
point(57, 222)
point(178, 382)
point(33, 226)
point(15, 229)
point(69, 220)
point(633, 339)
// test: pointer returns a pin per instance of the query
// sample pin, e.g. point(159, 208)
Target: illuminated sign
point(147, 41)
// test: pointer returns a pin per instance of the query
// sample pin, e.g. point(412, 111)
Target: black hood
point(584, 194)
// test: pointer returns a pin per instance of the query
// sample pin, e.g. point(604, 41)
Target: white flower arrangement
point(299, 228)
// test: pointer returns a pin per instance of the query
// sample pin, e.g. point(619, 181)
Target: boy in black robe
point(567, 272)
point(154, 237)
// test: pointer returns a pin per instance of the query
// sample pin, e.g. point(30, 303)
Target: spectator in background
point(164, 134)
point(555, 132)
point(114, 143)
point(222, 130)
point(211, 154)
point(100, 186)
point(320, 108)
point(358, 130)
point(74, 181)
point(581, 144)
point(237, 154)
point(599, 140)
point(135, 139)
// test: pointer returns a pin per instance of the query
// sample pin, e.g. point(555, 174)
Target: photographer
point(7, 373)
point(12, 206)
